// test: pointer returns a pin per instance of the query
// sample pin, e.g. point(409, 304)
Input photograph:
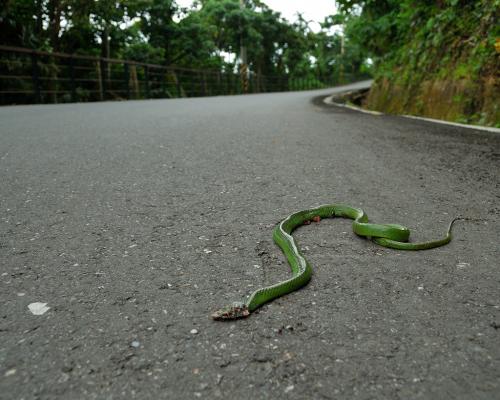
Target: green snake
point(388, 235)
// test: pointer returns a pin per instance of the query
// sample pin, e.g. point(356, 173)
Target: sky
point(315, 10)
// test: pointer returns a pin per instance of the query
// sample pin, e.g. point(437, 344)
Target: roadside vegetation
point(207, 35)
point(438, 59)
point(432, 58)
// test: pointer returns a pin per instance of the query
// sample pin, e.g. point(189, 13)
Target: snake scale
point(388, 235)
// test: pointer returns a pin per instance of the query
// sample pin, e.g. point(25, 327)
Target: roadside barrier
point(32, 76)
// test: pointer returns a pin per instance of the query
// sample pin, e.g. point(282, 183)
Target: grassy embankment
point(448, 68)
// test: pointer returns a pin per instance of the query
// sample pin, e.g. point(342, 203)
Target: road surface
point(134, 220)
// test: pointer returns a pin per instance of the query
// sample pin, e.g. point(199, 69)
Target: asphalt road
point(134, 220)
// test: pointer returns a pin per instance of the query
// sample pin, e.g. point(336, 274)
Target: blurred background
point(433, 58)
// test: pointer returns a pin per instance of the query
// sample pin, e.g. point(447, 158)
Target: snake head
point(233, 311)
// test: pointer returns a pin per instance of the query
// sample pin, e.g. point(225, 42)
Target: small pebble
point(135, 344)
point(289, 388)
point(38, 308)
point(194, 331)
point(10, 372)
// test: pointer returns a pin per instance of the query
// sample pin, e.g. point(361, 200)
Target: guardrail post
point(146, 84)
point(164, 78)
point(229, 85)
point(201, 78)
point(104, 86)
point(134, 81)
point(35, 77)
point(228, 89)
point(99, 80)
point(126, 80)
point(72, 78)
point(178, 84)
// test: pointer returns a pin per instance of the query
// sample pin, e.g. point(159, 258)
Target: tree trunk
point(105, 49)
point(55, 10)
point(39, 21)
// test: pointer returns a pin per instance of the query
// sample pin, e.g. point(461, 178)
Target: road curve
point(134, 220)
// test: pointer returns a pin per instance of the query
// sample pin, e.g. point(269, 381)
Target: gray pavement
point(134, 220)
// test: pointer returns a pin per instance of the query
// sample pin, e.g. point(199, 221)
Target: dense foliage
point(425, 35)
point(207, 35)
point(431, 57)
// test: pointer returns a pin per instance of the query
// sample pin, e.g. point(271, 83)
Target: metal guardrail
point(33, 76)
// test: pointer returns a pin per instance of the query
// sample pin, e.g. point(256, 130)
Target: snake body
point(388, 235)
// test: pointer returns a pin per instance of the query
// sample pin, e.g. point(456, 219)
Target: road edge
point(329, 100)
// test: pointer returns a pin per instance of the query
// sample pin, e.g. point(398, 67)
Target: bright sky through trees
point(312, 10)
point(315, 10)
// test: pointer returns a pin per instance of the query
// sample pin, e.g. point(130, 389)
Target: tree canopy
point(206, 35)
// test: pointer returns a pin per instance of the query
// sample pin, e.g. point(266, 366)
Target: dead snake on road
point(387, 235)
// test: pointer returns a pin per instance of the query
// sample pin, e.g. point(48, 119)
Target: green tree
point(21, 23)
